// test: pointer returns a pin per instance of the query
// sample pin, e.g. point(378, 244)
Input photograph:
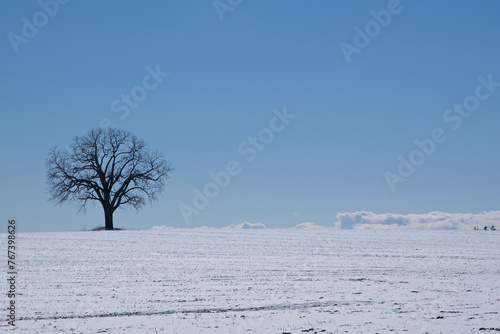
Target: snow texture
point(256, 281)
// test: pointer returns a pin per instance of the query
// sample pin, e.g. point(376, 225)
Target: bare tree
point(110, 166)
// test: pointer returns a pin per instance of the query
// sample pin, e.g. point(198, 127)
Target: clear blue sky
point(353, 120)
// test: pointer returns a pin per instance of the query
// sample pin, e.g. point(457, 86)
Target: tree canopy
point(110, 166)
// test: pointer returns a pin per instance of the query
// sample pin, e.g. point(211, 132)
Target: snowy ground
point(257, 281)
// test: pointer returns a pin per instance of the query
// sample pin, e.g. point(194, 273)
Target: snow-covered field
point(257, 281)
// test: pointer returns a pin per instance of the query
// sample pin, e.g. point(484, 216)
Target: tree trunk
point(108, 217)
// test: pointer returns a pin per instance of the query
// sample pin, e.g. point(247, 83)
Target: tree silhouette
point(111, 166)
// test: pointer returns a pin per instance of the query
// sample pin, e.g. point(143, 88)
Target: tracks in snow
point(294, 306)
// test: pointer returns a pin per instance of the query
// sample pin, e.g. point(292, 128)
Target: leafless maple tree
point(110, 166)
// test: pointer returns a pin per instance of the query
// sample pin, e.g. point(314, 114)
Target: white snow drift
point(308, 225)
point(245, 226)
